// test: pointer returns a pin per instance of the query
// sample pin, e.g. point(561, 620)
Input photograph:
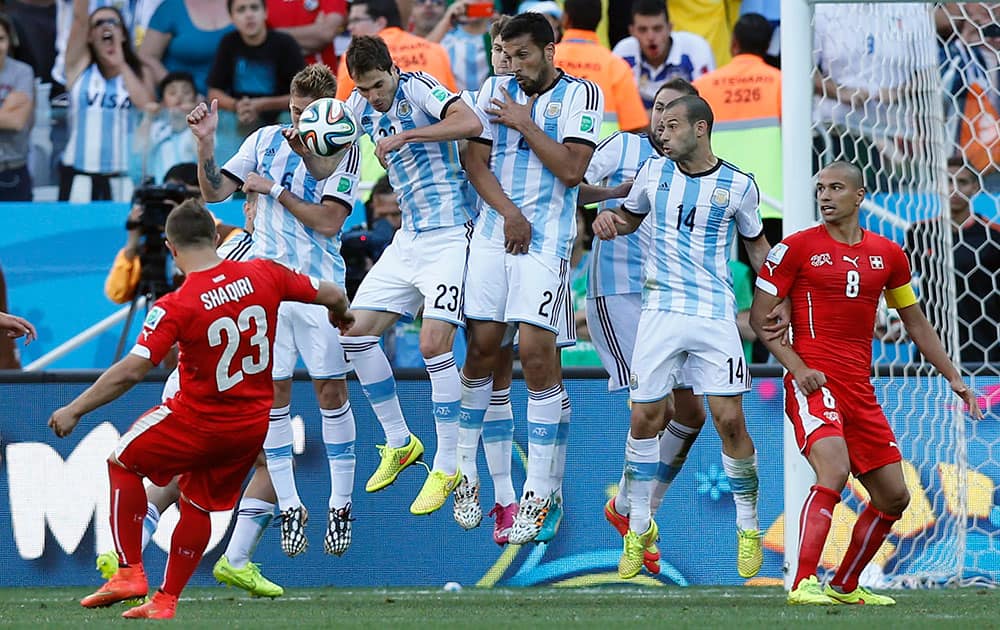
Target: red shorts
point(849, 412)
point(212, 458)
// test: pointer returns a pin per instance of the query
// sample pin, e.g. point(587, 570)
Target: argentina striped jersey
point(616, 265)
point(278, 234)
point(570, 110)
point(467, 54)
point(427, 176)
point(100, 121)
point(692, 217)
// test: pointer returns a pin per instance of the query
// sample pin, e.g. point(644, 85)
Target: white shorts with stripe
point(527, 288)
point(419, 269)
point(671, 348)
point(613, 321)
point(305, 329)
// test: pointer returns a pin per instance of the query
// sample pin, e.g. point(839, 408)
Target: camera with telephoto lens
point(156, 203)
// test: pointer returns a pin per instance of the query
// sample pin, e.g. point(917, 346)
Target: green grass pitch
point(671, 607)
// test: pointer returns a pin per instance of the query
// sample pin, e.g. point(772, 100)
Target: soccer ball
point(326, 125)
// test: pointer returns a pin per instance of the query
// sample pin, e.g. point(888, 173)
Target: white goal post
point(951, 533)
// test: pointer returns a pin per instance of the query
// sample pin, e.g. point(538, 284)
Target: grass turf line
point(692, 607)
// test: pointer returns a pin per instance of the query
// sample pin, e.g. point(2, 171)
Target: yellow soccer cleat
point(809, 593)
point(249, 578)
point(435, 492)
point(107, 564)
point(634, 551)
point(749, 552)
point(394, 460)
point(860, 595)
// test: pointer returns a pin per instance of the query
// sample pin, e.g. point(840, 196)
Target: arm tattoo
point(212, 173)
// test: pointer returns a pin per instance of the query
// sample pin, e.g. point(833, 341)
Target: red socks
point(868, 535)
point(186, 547)
point(814, 526)
point(128, 509)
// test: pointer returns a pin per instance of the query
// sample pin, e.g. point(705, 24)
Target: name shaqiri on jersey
point(835, 289)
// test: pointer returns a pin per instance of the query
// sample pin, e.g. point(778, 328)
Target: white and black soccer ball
point(326, 125)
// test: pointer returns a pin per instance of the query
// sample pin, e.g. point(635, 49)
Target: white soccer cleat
point(531, 514)
point(468, 512)
point(338, 531)
point(293, 531)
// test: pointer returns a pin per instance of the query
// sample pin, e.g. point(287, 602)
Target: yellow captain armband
point(900, 297)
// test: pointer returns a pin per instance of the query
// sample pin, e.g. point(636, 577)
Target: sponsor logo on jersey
point(664, 185)
point(818, 260)
point(552, 110)
point(876, 262)
point(440, 94)
point(343, 185)
point(832, 416)
point(853, 261)
point(777, 253)
point(586, 123)
point(720, 197)
point(403, 109)
point(153, 317)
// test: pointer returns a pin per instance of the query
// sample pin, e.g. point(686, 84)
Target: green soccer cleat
point(107, 564)
point(809, 592)
point(749, 552)
point(634, 551)
point(394, 460)
point(860, 595)
point(435, 492)
point(249, 578)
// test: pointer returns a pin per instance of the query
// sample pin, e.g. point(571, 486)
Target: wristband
point(275, 191)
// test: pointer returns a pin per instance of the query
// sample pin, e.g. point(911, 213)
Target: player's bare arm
point(589, 193)
point(764, 305)
point(517, 230)
point(610, 223)
point(14, 326)
point(566, 160)
point(459, 123)
point(116, 380)
point(929, 344)
point(203, 122)
point(757, 249)
point(327, 218)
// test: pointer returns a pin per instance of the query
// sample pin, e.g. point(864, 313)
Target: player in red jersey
point(834, 274)
point(211, 431)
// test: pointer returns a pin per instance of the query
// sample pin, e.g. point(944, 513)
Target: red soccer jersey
point(835, 289)
point(224, 320)
point(292, 13)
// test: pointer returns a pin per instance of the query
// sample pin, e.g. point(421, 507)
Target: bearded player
point(834, 274)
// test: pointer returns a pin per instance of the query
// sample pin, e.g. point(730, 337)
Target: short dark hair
point(190, 224)
point(177, 76)
point(695, 109)
point(677, 84)
point(852, 170)
point(534, 25)
point(957, 161)
point(497, 26)
point(752, 34)
point(367, 53)
point(8, 25)
point(387, 9)
point(229, 5)
point(186, 172)
point(583, 14)
point(650, 8)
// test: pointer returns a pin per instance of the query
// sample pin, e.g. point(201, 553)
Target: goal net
point(907, 91)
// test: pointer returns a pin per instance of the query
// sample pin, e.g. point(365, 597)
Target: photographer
point(361, 246)
point(150, 206)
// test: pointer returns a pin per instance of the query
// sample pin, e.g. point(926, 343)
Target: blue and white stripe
point(427, 176)
point(100, 120)
point(278, 235)
point(616, 265)
point(468, 56)
point(571, 109)
point(687, 268)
